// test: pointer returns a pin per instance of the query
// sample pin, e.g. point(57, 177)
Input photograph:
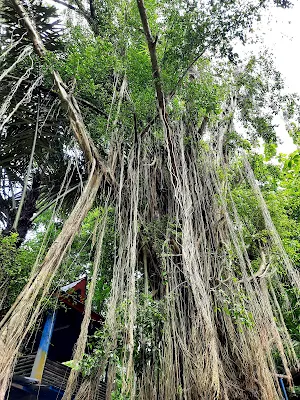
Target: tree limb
point(157, 82)
point(89, 16)
point(177, 85)
point(152, 51)
point(92, 10)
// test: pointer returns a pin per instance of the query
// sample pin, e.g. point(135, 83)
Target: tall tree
point(195, 306)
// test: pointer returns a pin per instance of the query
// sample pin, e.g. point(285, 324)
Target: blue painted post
point(41, 355)
point(285, 396)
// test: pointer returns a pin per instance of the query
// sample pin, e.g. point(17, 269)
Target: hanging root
point(275, 238)
point(8, 99)
point(82, 339)
point(25, 99)
point(11, 46)
point(25, 53)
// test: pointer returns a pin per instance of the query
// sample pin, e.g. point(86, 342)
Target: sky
point(282, 36)
point(280, 31)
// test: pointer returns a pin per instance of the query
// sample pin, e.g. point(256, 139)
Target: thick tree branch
point(157, 83)
point(152, 51)
point(92, 10)
point(31, 30)
point(89, 16)
point(178, 83)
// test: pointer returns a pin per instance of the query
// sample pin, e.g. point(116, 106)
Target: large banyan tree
point(133, 109)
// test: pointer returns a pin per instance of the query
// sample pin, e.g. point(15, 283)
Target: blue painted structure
point(41, 355)
point(281, 383)
point(24, 388)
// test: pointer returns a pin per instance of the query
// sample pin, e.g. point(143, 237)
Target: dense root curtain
point(220, 332)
